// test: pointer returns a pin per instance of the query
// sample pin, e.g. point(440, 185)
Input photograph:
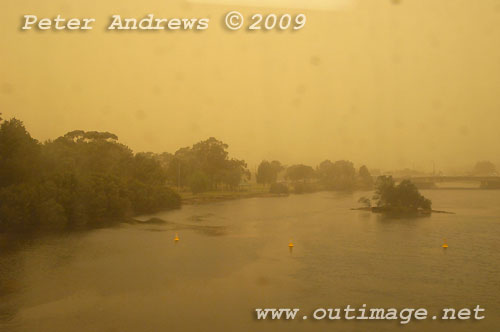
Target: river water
point(233, 257)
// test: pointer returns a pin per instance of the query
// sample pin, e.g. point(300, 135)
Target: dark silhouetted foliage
point(365, 178)
point(267, 172)
point(199, 182)
point(80, 179)
point(300, 172)
point(402, 197)
point(204, 166)
point(278, 188)
point(340, 175)
point(484, 168)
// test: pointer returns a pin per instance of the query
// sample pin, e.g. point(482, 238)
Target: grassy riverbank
point(189, 198)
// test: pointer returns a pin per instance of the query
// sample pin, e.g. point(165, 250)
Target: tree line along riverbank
point(87, 179)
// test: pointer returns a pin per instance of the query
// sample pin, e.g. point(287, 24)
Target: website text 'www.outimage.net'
point(363, 313)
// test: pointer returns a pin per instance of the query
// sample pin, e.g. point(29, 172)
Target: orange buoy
point(176, 238)
point(445, 245)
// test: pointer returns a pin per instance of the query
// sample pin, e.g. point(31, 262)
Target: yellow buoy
point(444, 245)
point(176, 238)
point(290, 245)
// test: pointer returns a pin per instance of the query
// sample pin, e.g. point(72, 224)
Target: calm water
point(232, 257)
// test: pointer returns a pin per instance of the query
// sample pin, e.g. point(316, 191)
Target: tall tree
point(484, 168)
point(339, 175)
point(19, 153)
point(267, 172)
point(365, 178)
point(299, 173)
point(205, 166)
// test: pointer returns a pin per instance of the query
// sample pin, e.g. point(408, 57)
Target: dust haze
point(383, 83)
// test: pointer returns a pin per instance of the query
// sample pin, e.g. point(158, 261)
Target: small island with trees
point(400, 199)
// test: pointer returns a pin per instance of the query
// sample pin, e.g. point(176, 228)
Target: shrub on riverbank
point(278, 188)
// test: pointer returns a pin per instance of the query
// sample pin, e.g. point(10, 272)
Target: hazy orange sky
point(389, 85)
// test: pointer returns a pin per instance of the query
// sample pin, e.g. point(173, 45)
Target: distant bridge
point(429, 182)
